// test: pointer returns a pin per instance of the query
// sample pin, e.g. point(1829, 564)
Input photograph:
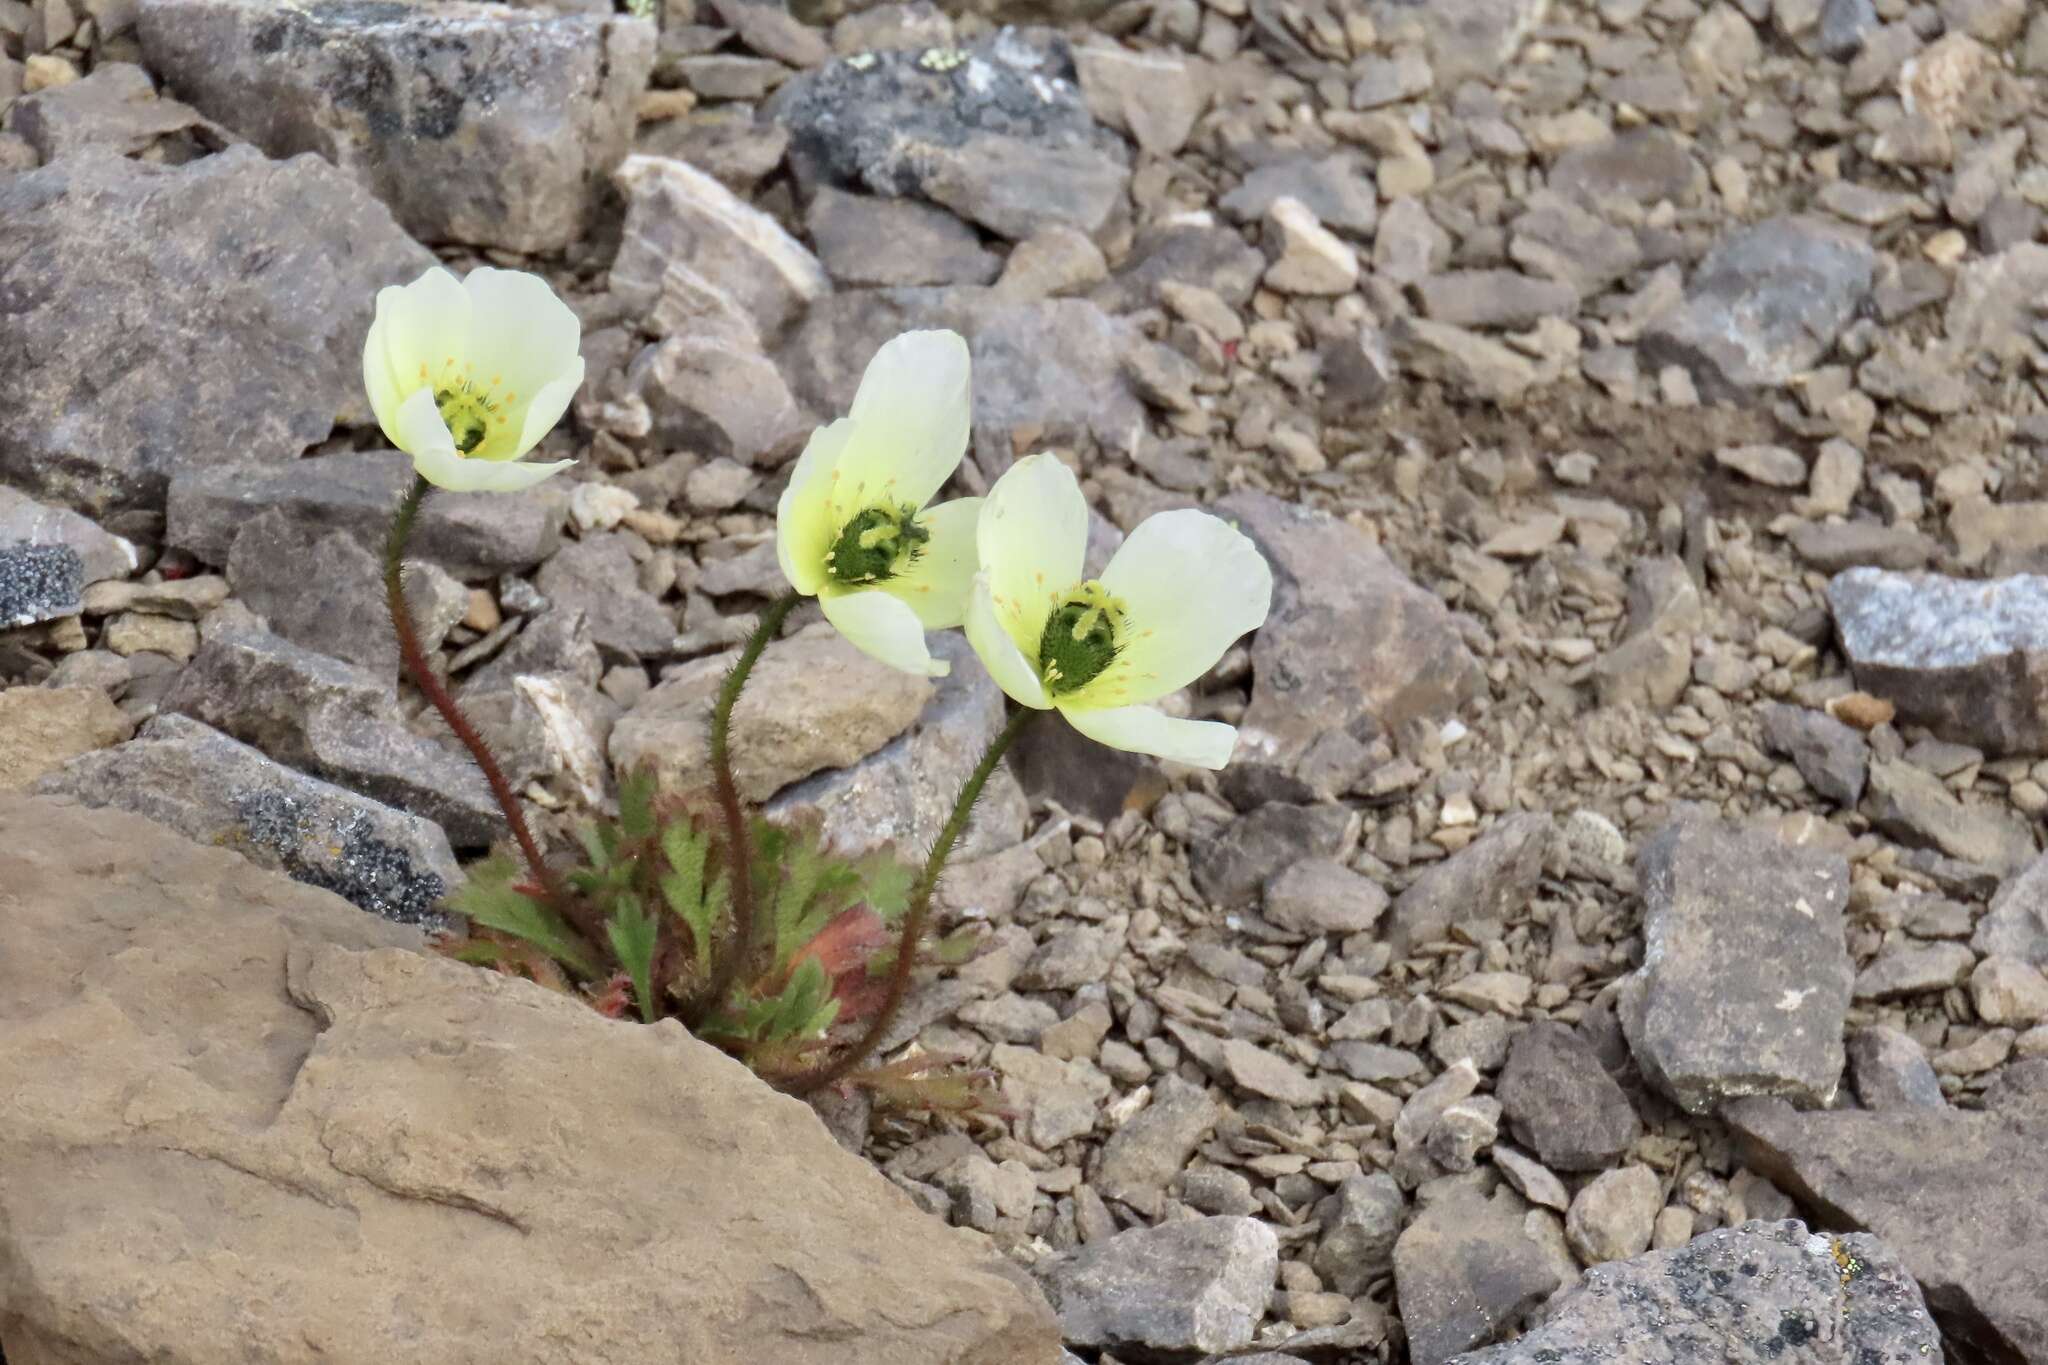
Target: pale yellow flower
point(1182, 587)
point(468, 377)
point(852, 528)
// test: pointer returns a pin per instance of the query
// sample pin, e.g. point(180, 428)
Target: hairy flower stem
point(437, 692)
point(738, 848)
point(919, 910)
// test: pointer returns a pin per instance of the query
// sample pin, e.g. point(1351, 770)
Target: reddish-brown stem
point(443, 701)
point(842, 1066)
point(739, 853)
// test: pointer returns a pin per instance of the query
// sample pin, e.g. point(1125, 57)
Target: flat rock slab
point(1350, 643)
point(229, 296)
point(1188, 1287)
point(2016, 925)
point(247, 1121)
point(1760, 1294)
point(1465, 1273)
point(1967, 658)
point(26, 522)
point(1962, 1197)
point(217, 791)
point(1765, 304)
point(1746, 977)
point(471, 535)
point(481, 124)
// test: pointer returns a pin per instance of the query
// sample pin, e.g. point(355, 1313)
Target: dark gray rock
point(1351, 644)
point(335, 721)
point(26, 522)
point(2016, 925)
point(1833, 758)
point(717, 395)
point(1195, 1286)
point(1561, 1103)
point(114, 110)
point(39, 583)
point(485, 124)
point(864, 240)
point(1760, 1294)
point(996, 131)
point(1205, 254)
point(1465, 1272)
point(1916, 807)
point(1337, 189)
point(1143, 1158)
point(1831, 547)
point(1745, 978)
point(1765, 305)
point(1642, 166)
point(1961, 1197)
point(1966, 658)
point(325, 592)
point(229, 297)
point(1844, 24)
point(1491, 878)
point(1053, 366)
point(1361, 1222)
point(216, 791)
point(1322, 896)
point(1889, 1071)
point(472, 535)
point(1230, 869)
point(1054, 760)
point(1495, 298)
point(597, 576)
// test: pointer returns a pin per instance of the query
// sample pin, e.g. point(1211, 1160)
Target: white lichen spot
point(1802, 907)
point(1792, 1000)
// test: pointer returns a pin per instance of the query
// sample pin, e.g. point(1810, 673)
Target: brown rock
point(41, 727)
point(322, 1143)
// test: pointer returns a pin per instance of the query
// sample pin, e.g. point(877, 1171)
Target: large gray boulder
point(489, 125)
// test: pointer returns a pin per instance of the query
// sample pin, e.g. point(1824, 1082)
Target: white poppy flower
point(466, 378)
point(1180, 589)
point(852, 528)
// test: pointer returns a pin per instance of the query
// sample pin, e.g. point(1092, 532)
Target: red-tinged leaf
point(845, 944)
point(614, 999)
point(933, 1084)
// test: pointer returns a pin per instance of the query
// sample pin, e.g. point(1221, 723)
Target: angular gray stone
point(1322, 896)
point(1966, 658)
point(1961, 1198)
point(335, 721)
point(1833, 546)
point(1642, 166)
point(864, 240)
point(1195, 1286)
point(26, 522)
point(471, 535)
point(1337, 189)
point(598, 577)
point(716, 396)
point(216, 791)
point(996, 131)
point(324, 592)
point(1908, 969)
point(1833, 758)
point(1351, 644)
point(1745, 978)
point(1491, 878)
point(484, 124)
point(1913, 805)
point(1194, 253)
point(1613, 1215)
point(2016, 925)
point(903, 791)
point(1765, 305)
point(1230, 869)
point(1143, 1158)
point(114, 110)
point(39, 583)
point(1361, 1222)
point(1890, 1071)
point(1054, 366)
point(1465, 1272)
point(677, 213)
point(229, 296)
point(1760, 1294)
point(1494, 298)
point(1561, 1103)
point(1467, 38)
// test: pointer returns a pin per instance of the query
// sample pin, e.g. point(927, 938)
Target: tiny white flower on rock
point(1183, 586)
point(468, 377)
point(852, 528)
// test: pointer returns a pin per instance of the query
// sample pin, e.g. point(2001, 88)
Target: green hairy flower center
point(1080, 638)
point(467, 411)
point(876, 545)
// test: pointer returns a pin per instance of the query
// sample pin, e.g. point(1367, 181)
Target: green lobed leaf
point(634, 934)
point(491, 900)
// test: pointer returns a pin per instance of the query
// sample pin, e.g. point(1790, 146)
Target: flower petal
point(882, 627)
point(938, 581)
point(520, 332)
point(1032, 541)
point(910, 421)
point(418, 328)
point(1148, 730)
point(1009, 666)
point(803, 516)
point(547, 408)
point(424, 436)
point(1191, 584)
